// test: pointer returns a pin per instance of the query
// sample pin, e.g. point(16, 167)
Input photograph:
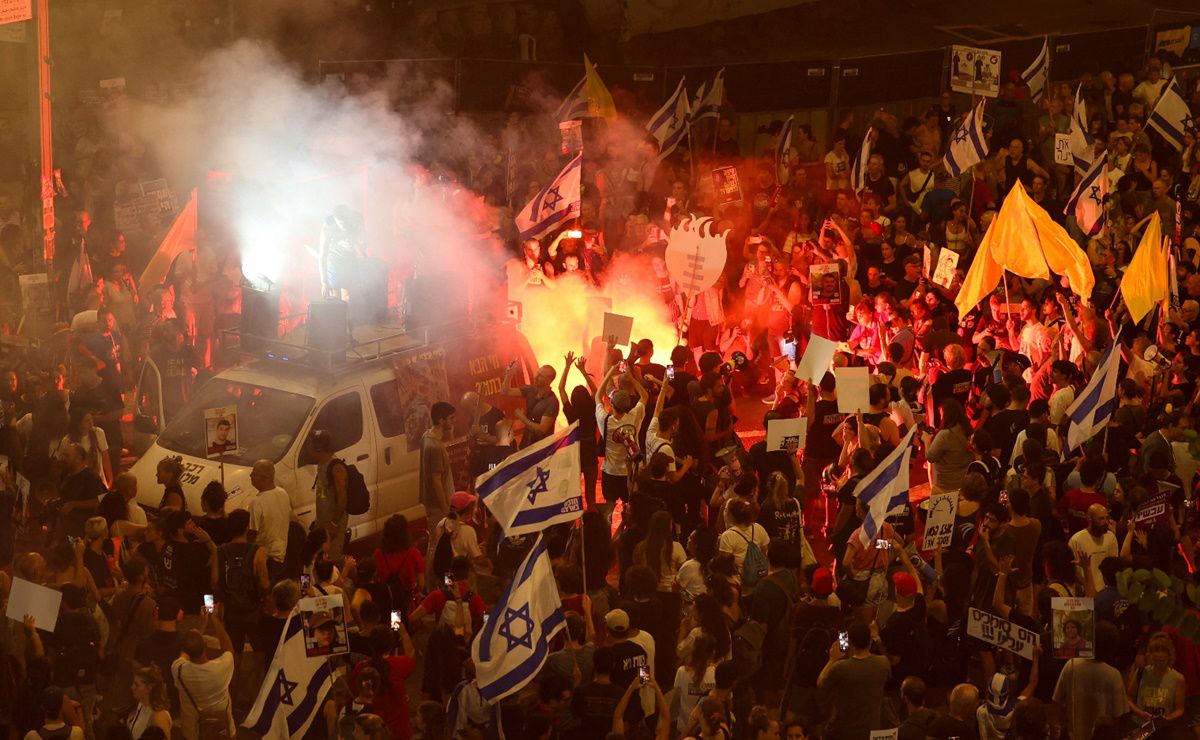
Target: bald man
point(270, 513)
point(1097, 542)
point(541, 405)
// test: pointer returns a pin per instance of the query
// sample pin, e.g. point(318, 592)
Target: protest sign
point(148, 209)
point(696, 254)
point(853, 384)
point(324, 625)
point(1074, 627)
point(220, 431)
point(892, 734)
point(617, 328)
point(946, 264)
point(825, 284)
point(782, 433)
point(35, 295)
point(1062, 149)
point(727, 185)
point(572, 137)
point(12, 11)
point(39, 602)
point(939, 525)
point(817, 356)
point(1002, 633)
point(975, 71)
point(1152, 511)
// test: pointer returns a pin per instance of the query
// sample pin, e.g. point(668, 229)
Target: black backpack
point(358, 496)
point(76, 650)
point(812, 655)
point(443, 554)
point(239, 588)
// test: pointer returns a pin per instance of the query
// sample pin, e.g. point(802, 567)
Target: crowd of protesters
point(713, 588)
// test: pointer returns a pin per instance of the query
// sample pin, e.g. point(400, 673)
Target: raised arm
point(562, 378)
point(506, 384)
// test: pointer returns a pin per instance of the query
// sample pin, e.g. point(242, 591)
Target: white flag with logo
point(536, 487)
point(295, 686)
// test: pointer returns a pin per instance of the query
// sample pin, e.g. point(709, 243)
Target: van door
point(148, 419)
point(343, 414)
point(398, 467)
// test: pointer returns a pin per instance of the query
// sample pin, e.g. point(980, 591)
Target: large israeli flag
point(1087, 202)
point(512, 646)
point(885, 489)
point(295, 686)
point(536, 487)
point(556, 204)
point(671, 123)
point(1080, 142)
point(1098, 401)
point(968, 146)
point(1036, 75)
point(709, 98)
point(1172, 117)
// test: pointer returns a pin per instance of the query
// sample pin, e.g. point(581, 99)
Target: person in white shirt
point(203, 682)
point(619, 428)
point(693, 681)
point(1150, 89)
point(1062, 374)
point(743, 530)
point(270, 514)
point(1094, 543)
point(463, 539)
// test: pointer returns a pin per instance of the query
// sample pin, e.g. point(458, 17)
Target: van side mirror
point(145, 424)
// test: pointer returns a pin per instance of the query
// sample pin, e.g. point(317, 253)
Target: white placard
point(1002, 633)
point(927, 261)
point(617, 328)
point(1074, 627)
point(939, 525)
point(40, 602)
point(853, 386)
point(974, 71)
point(892, 734)
point(1062, 149)
point(12, 11)
point(817, 356)
point(220, 431)
point(782, 431)
point(947, 262)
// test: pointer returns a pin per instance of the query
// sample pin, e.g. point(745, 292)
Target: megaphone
point(1154, 357)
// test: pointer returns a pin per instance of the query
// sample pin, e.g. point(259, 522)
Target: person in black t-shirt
point(952, 382)
point(595, 702)
point(188, 562)
point(162, 646)
point(820, 450)
point(80, 491)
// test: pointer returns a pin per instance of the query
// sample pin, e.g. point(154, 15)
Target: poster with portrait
point(825, 284)
point(325, 632)
point(974, 71)
point(1074, 627)
point(946, 264)
point(220, 431)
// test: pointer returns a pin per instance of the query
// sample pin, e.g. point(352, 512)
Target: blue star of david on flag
point(511, 617)
point(539, 484)
point(551, 200)
point(1189, 124)
point(1094, 194)
point(960, 136)
point(285, 689)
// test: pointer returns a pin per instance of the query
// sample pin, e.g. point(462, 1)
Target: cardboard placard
point(220, 431)
point(727, 185)
point(1152, 511)
point(825, 284)
point(324, 626)
point(892, 734)
point(617, 328)
point(1074, 627)
point(1002, 633)
point(782, 433)
point(12, 11)
point(853, 386)
point(40, 602)
point(817, 356)
point(939, 525)
point(946, 264)
point(974, 71)
point(1062, 149)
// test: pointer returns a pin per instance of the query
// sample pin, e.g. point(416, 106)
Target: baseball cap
point(822, 582)
point(622, 401)
point(617, 621)
point(905, 584)
point(461, 500)
point(319, 619)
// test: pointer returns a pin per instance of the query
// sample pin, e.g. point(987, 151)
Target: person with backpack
point(747, 541)
point(457, 615)
point(76, 650)
point(390, 693)
point(773, 604)
point(619, 418)
point(399, 567)
point(454, 537)
point(56, 726)
point(330, 486)
point(242, 582)
point(815, 625)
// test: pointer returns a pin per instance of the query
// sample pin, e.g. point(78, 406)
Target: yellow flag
point(1062, 253)
point(600, 102)
point(982, 278)
point(1145, 281)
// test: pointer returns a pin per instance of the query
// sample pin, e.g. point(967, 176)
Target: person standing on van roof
point(437, 478)
point(541, 405)
point(331, 493)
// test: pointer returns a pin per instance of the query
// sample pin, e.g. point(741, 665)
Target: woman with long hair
point(780, 513)
point(398, 564)
point(169, 473)
point(948, 452)
point(390, 696)
point(706, 617)
point(695, 678)
point(581, 406)
point(152, 707)
point(663, 556)
point(693, 574)
point(82, 430)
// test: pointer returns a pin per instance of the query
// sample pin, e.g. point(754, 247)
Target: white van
point(375, 403)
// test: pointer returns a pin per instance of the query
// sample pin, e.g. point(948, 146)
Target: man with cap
point(463, 540)
point(619, 428)
point(632, 652)
point(436, 476)
point(905, 638)
point(56, 706)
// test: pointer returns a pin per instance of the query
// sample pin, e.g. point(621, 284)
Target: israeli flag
point(1087, 202)
point(556, 204)
point(1171, 117)
point(858, 175)
point(885, 489)
point(512, 646)
point(295, 686)
point(671, 122)
point(709, 98)
point(575, 105)
point(783, 149)
point(1098, 401)
point(536, 487)
point(1080, 142)
point(1035, 76)
point(968, 147)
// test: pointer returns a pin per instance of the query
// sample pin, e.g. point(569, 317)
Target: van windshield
point(268, 420)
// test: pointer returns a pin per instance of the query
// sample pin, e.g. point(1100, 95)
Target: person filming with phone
point(854, 679)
